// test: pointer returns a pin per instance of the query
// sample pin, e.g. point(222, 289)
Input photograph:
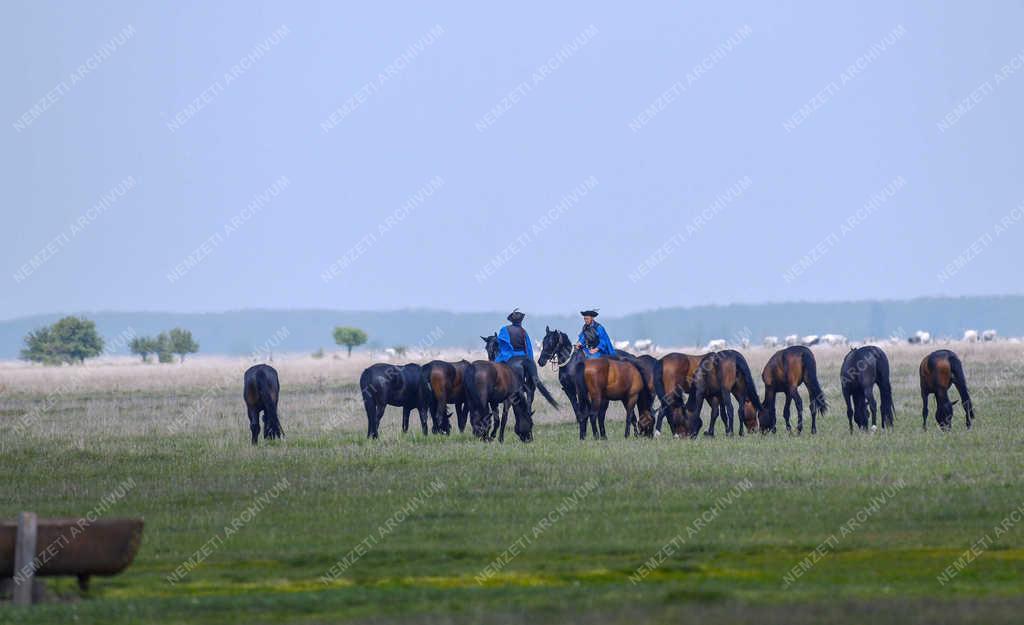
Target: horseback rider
point(593, 338)
point(513, 342)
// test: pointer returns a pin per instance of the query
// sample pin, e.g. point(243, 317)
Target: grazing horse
point(722, 373)
point(384, 385)
point(786, 370)
point(673, 378)
point(261, 390)
point(939, 370)
point(442, 385)
point(861, 370)
point(600, 380)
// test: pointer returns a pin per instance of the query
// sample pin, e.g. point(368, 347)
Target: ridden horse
point(384, 385)
point(786, 370)
point(260, 391)
point(939, 370)
point(442, 383)
point(600, 380)
point(722, 373)
point(558, 349)
point(508, 383)
point(861, 370)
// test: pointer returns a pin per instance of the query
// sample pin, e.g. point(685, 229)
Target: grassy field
point(326, 526)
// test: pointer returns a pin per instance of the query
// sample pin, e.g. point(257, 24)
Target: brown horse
point(443, 385)
point(490, 384)
point(786, 370)
point(721, 373)
point(600, 380)
point(673, 379)
point(940, 370)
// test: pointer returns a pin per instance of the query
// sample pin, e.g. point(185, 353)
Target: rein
point(556, 365)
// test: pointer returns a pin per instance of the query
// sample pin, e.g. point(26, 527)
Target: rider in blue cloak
point(513, 340)
point(593, 338)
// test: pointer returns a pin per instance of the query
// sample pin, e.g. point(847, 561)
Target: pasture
point(326, 526)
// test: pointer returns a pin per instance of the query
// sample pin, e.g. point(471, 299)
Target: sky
point(196, 157)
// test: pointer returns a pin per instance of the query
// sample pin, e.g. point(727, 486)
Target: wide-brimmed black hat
point(515, 316)
point(588, 313)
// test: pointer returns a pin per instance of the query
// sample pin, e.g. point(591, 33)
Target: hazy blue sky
point(311, 125)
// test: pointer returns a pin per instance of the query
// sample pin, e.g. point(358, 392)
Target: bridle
point(556, 361)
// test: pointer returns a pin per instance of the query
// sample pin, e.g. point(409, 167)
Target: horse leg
point(849, 407)
point(254, 423)
point(504, 420)
point(924, 410)
point(785, 412)
point(769, 399)
point(423, 413)
point(600, 418)
point(869, 396)
point(728, 416)
point(460, 414)
point(799, 410)
point(405, 419)
point(495, 419)
point(944, 409)
point(630, 406)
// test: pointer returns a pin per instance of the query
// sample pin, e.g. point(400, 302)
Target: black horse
point(261, 390)
point(384, 385)
point(863, 368)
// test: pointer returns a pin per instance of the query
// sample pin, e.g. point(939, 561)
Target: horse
point(260, 391)
point(939, 370)
point(510, 383)
point(673, 377)
point(442, 385)
point(786, 370)
point(722, 373)
point(863, 368)
point(600, 380)
point(557, 349)
point(384, 385)
point(648, 364)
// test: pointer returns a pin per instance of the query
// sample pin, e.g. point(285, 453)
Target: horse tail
point(426, 388)
point(960, 381)
point(659, 380)
point(818, 400)
point(270, 409)
point(885, 391)
point(547, 394)
point(473, 397)
point(645, 392)
point(748, 381)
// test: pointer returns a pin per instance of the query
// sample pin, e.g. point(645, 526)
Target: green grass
point(956, 488)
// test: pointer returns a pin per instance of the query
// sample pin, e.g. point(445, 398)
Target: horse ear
point(955, 403)
point(484, 338)
point(547, 328)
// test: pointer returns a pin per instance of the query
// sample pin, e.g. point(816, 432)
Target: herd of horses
point(682, 384)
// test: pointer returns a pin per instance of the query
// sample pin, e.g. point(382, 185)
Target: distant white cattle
point(988, 335)
point(745, 343)
point(621, 344)
point(971, 336)
point(716, 345)
point(792, 339)
point(834, 339)
point(643, 345)
point(810, 339)
point(920, 338)
point(770, 341)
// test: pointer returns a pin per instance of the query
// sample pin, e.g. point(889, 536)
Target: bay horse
point(600, 380)
point(673, 380)
point(722, 373)
point(862, 369)
point(383, 385)
point(260, 391)
point(442, 382)
point(786, 370)
point(939, 370)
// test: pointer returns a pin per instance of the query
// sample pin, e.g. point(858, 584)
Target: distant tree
point(181, 342)
point(319, 353)
point(349, 337)
point(163, 348)
point(70, 340)
point(144, 346)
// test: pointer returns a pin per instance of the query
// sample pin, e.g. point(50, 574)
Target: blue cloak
point(604, 344)
point(505, 350)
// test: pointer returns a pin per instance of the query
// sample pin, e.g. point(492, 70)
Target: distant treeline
point(242, 332)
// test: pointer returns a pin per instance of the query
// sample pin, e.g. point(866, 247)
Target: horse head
point(491, 345)
point(555, 345)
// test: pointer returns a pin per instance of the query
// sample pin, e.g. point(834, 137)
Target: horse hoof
point(709, 434)
point(657, 433)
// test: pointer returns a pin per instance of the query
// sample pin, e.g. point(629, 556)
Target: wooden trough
point(76, 547)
